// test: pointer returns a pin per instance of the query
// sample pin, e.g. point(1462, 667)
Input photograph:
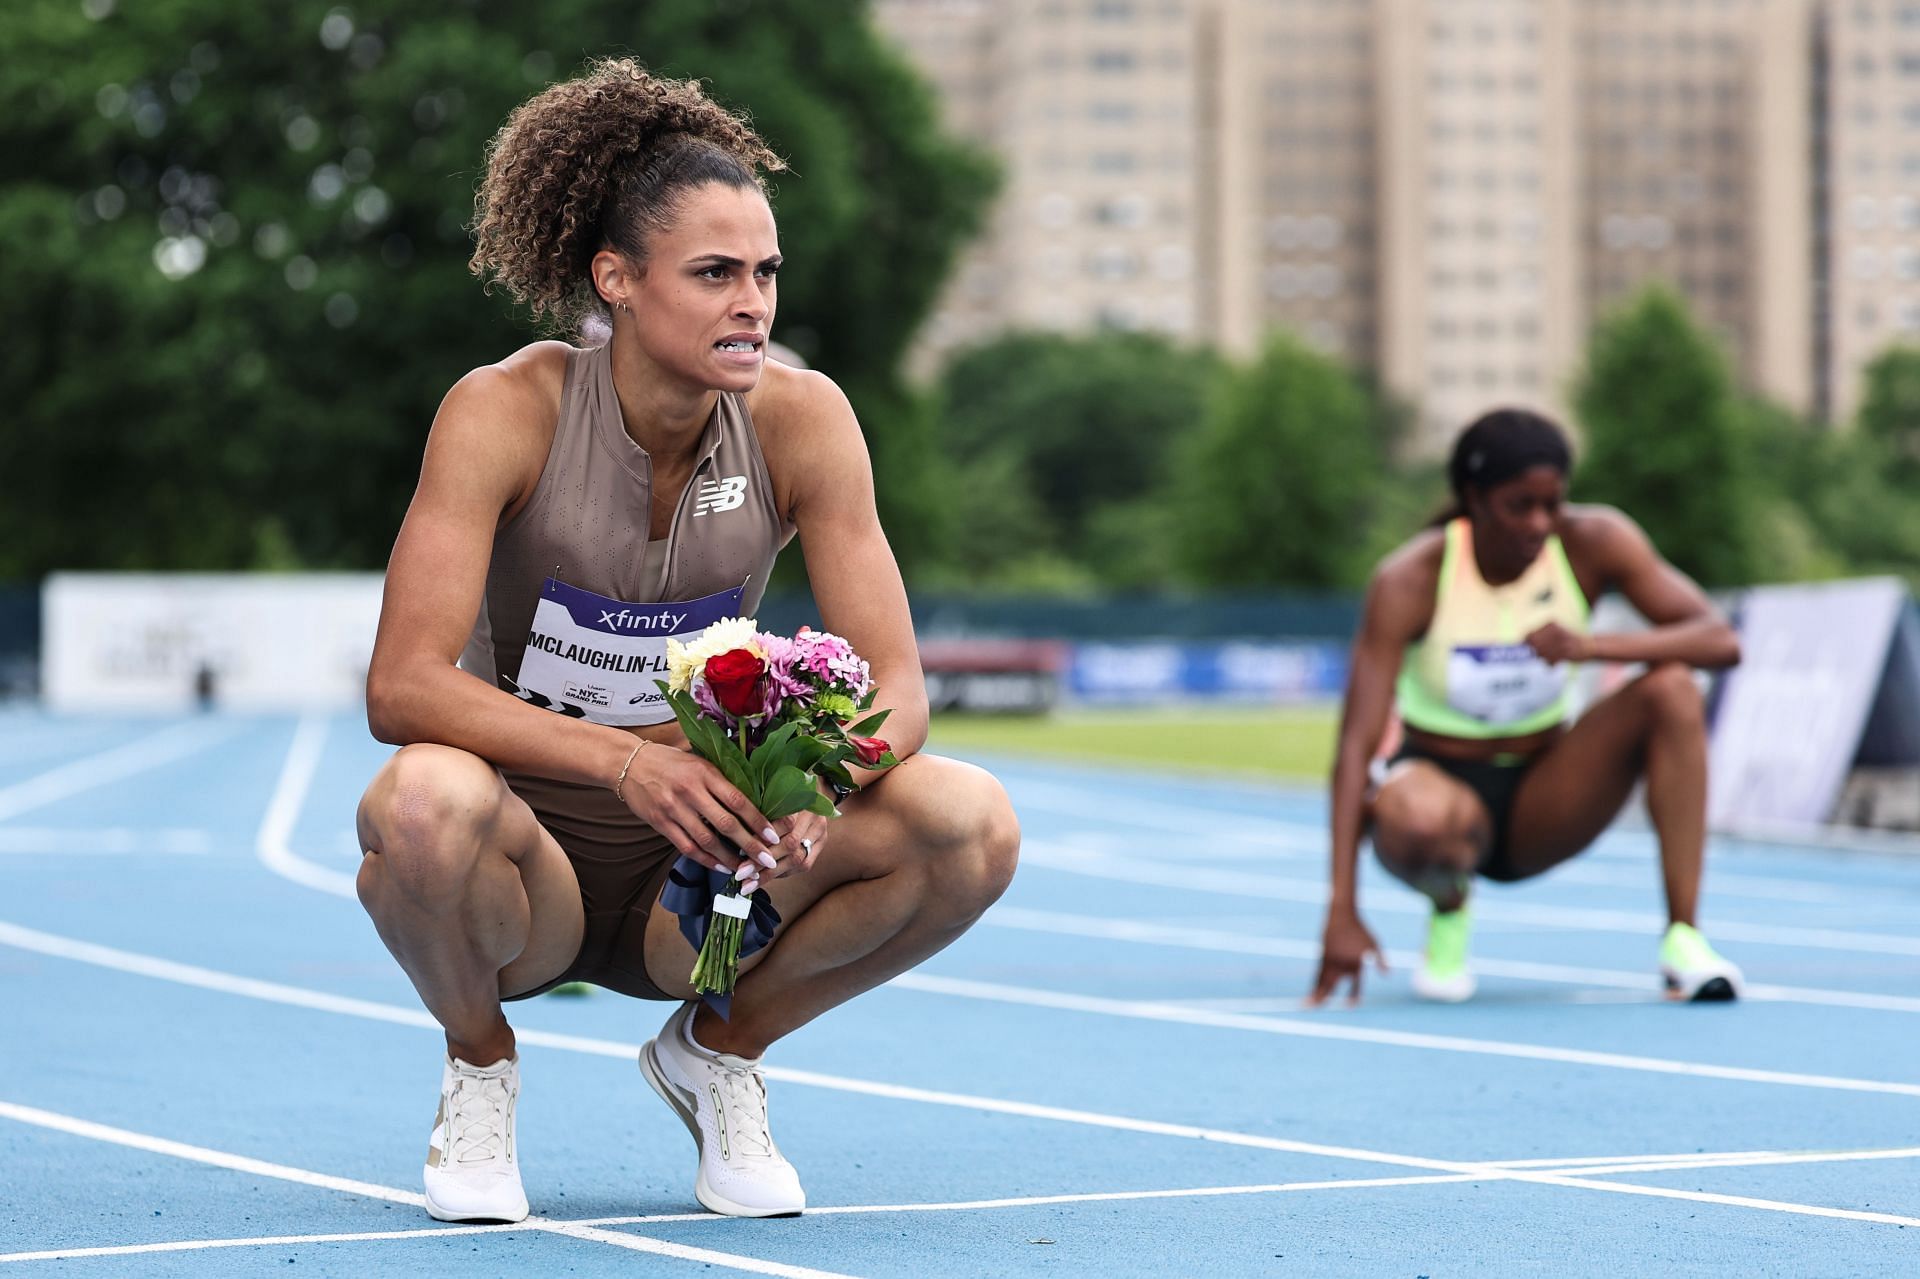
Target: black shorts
point(1496, 781)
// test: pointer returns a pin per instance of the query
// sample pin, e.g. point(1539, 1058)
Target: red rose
point(869, 749)
point(735, 679)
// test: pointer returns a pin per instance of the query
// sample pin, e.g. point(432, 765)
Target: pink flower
point(832, 661)
point(782, 668)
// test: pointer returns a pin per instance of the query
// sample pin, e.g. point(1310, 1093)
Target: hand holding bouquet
point(775, 715)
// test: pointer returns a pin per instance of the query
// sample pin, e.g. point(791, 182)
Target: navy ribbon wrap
point(689, 893)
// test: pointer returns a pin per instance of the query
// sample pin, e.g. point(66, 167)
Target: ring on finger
point(806, 846)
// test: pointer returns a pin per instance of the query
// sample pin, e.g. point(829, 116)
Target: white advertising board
point(1791, 714)
point(137, 642)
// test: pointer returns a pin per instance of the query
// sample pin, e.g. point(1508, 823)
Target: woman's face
point(702, 304)
point(1515, 518)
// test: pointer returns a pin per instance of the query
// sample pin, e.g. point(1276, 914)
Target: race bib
point(597, 658)
point(1502, 683)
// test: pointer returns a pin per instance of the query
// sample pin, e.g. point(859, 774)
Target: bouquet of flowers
point(773, 714)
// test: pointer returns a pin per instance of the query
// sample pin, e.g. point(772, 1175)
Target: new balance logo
point(721, 495)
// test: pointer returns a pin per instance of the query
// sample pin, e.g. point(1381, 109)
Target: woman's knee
point(966, 828)
point(427, 815)
point(1416, 831)
point(1672, 695)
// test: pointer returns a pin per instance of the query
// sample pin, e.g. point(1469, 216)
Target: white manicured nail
point(767, 860)
point(743, 870)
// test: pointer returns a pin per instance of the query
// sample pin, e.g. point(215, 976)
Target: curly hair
point(595, 162)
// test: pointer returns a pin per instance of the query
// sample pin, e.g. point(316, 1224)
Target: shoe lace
point(477, 1118)
point(743, 1093)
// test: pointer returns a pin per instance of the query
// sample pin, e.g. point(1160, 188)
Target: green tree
point(1279, 487)
point(237, 288)
point(1664, 439)
point(1060, 448)
point(1890, 413)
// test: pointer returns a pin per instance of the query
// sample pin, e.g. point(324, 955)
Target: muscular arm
point(1399, 606)
point(1686, 627)
point(850, 567)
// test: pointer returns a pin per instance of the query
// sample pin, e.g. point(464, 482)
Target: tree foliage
point(1279, 487)
point(1890, 412)
point(1059, 450)
point(1664, 439)
point(237, 285)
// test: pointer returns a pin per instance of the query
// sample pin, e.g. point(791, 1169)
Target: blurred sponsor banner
point(1793, 716)
point(1019, 677)
point(1229, 671)
point(248, 641)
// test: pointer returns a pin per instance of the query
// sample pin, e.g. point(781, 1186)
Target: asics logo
point(721, 495)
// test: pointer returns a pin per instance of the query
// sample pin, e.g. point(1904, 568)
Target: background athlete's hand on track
point(1555, 643)
point(693, 804)
point(1344, 949)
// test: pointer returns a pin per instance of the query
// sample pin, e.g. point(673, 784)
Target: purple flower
point(832, 661)
point(782, 667)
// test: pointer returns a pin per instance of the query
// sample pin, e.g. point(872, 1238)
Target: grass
point(1288, 743)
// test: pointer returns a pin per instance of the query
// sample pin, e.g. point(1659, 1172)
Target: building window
point(1112, 61)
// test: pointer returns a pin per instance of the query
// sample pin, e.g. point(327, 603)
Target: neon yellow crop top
point(1472, 674)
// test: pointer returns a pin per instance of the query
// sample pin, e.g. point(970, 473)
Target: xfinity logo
point(721, 495)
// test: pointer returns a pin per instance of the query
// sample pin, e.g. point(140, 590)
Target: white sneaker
point(722, 1099)
point(473, 1173)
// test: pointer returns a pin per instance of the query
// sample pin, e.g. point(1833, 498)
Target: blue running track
point(209, 1065)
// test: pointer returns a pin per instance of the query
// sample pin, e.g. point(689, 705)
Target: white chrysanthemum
point(684, 661)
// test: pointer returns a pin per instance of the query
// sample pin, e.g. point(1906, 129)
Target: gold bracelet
point(621, 780)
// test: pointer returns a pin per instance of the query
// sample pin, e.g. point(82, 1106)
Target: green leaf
point(822, 805)
point(732, 761)
point(870, 725)
point(771, 753)
point(788, 791)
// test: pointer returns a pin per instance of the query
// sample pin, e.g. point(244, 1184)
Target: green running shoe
point(1444, 976)
point(1695, 971)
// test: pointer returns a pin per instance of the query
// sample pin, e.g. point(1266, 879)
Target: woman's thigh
point(1421, 815)
point(419, 784)
point(1578, 785)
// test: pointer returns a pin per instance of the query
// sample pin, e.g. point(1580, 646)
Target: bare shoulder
point(1412, 569)
point(1400, 595)
point(792, 402)
point(496, 424)
point(520, 392)
point(1604, 537)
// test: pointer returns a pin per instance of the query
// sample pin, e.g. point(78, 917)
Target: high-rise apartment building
point(1447, 191)
point(1868, 58)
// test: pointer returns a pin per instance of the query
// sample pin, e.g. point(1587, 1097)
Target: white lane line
point(1610, 1168)
point(301, 1176)
point(1251, 883)
point(972, 1205)
point(273, 844)
point(1597, 1160)
point(207, 978)
point(138, 756)
point(1314, 1028)
point(76, 1127)
point(1309, 1028)
point(263, 1241)
point(1143, 932)
point(104, 841)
